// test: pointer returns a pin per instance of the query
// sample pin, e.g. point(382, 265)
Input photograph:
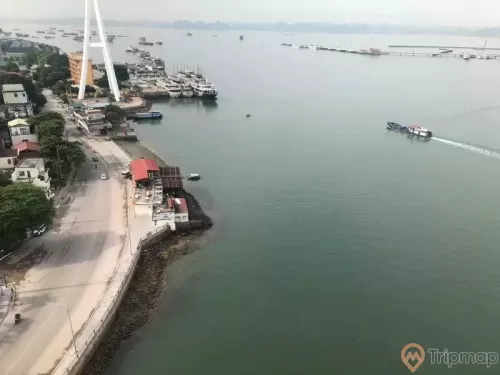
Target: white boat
point(204, 89)
point(187, 91)
point(173, 89)
point(466, 56)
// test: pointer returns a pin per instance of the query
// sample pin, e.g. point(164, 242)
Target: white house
point(32, 170)
point(17, 101)
point(19, 130)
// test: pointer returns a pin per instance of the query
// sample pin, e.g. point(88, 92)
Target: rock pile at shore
point(142, 297)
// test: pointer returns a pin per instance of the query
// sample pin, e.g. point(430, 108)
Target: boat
point(142, 39)
point(143, 43)
point(40, 32)
point(146, 115)
point(173, 89)
point(159, 42)
point(204, 90)
point(193, 177)
point(466, 56)
point(241, 37)
point(189, 33)
point(411, 129)
point(61, 30)
point(187, 90)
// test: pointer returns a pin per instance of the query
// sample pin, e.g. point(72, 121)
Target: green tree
point(12, 67)
point(4, 178)
point(74, 154)
point(49, 129)
point(121, 72)
point(23, 206)
point(49, 146)
point(59, 88)
point(114, 114)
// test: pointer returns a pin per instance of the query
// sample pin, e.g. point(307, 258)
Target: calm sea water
point(336, 243)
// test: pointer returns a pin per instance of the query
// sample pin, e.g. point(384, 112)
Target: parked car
point(126, 174)
point(37, 232)
point(103, 176)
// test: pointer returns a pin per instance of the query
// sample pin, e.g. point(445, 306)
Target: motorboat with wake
point(411, 129)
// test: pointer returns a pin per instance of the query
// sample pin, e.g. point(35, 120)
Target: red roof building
point(27, 146)
point(142, 167)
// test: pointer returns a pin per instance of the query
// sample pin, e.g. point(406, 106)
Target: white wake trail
point(477, 150)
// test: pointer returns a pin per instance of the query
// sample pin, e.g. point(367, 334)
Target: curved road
point(67, 268)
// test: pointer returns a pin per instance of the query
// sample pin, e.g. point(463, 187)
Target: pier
point(446, 52)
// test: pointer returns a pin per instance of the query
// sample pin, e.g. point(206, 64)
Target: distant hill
point(317, 27)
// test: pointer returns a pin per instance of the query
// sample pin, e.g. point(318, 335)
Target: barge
point(411, 129)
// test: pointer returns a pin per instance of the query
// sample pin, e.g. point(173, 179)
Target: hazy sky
point(425, 12)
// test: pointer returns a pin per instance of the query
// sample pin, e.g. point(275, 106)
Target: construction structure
point(75, 67)
point(103, 44)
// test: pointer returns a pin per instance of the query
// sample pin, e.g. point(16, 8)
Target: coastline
point(148, 282)
point(142, 297)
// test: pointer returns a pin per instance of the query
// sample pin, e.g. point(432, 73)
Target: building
point(27, 149)
point(19, 49)
point(32, 170)
point(181, 215)
point(147, 182)
point(8, 157)
point(75, 66)
point(16, 101)
point(93, 120)
point(19, 130)
point(171, 178)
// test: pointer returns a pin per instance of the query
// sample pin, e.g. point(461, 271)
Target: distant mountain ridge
point(318, 27)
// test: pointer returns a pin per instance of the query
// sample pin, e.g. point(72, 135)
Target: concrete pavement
point(68, 268)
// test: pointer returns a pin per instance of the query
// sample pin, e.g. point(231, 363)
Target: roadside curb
point(65, 189)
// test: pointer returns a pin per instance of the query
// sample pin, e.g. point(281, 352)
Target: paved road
point(69, 267)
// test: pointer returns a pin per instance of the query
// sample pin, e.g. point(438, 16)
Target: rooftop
point(8, 152)
point(31, 163)
point(18, 122)
point(141, 167)
point(171, 177)
point(13, 88)
point(27, 146)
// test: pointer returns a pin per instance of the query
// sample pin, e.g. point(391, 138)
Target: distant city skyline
point(467, 13)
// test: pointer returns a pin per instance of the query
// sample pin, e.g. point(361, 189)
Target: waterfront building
point(75, 67)
point(93, 120)
point(20, 131)
point(16, 101)
point(34, 171)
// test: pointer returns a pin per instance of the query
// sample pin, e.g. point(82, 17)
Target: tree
point(121, 72)
point(64, 98)
point(49, 129)
point(12, 67)
point(90, 89)
point(23, 206)
point(59, 88)
point(49, 146)
point(114, 114)
point(4, 178)
point(53, 117)
point(74, 154)
point(102, 82)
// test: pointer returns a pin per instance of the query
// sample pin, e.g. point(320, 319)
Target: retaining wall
point(103, 318)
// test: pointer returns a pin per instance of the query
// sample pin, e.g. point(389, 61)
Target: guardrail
point(78, 362)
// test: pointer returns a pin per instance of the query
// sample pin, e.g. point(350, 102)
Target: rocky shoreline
point(148, 282)
point(142, 296)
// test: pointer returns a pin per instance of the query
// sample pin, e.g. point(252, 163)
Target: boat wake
point(477, 150)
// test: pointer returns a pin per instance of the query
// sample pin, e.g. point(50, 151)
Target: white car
point(103, 176)
point(37, 232)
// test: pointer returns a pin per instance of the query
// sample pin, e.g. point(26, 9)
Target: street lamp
point(70, 324)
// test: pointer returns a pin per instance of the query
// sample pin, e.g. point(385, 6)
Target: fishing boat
point(193, 177)
point(159, 42)
point(189, 33)
point(411, 129)
point(151, 115)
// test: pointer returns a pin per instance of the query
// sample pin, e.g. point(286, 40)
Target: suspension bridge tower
point(102, 44)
